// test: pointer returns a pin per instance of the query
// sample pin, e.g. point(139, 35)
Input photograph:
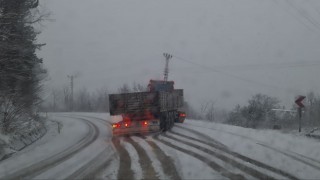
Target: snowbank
point(25, 135)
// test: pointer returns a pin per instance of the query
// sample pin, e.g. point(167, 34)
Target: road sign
point(299, 101)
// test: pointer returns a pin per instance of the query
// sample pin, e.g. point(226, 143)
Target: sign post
point(298, 101)
point(300, 115)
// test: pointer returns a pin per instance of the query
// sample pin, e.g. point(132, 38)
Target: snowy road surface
point(85, 148)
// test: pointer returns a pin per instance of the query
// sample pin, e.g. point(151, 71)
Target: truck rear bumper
point(134, 128)
point(180, 120)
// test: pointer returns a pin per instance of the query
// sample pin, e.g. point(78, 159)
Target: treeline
point(21, 70)
point(264, 111)
point(60, 100)
point(311, 115)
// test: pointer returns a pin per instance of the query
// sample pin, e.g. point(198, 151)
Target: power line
point(302, 16)
point(305, 15)
point(127, 65)
point(298, 18)
point(272, 65)
point(225, 73)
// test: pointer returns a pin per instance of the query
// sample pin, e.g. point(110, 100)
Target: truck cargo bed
point(140, 102)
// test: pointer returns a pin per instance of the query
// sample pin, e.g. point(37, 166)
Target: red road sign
point(299, 101)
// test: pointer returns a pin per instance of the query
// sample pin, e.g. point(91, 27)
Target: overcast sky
point(224, 50)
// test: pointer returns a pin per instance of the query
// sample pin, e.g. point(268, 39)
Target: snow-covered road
point(85, 148)
point(81, 145)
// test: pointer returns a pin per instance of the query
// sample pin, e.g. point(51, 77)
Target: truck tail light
point(183, 115)
point(116, 125)
point(144, 123)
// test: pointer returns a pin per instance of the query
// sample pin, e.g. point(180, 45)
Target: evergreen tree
point(21, 69)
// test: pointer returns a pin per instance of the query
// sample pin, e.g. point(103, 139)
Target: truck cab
point(158, 85)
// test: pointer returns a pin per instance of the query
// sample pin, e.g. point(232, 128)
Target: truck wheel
point(167, 121)
point(163, 122)
point(171, 119)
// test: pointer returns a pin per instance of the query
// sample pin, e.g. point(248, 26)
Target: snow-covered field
point(192, 150)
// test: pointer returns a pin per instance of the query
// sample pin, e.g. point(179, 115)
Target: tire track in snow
point(144, 160)
point(298, 157)
point(204, 136)
point(211, 164)
point(226, 159)
point(93, 167)
point(291, 156)
point(98, 168)
point(305, 157)
point(166, 162)
point(223, 131)
point(124, 172)
point(104, 121)
point(242, 157)
point(54, 160)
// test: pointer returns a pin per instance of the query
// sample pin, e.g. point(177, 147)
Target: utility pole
point(166, 69)
point(71, 86)
point(54, 95)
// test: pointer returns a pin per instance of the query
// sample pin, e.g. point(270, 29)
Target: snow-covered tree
point(124, 89)
point(21, 69)
point(258, 111)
